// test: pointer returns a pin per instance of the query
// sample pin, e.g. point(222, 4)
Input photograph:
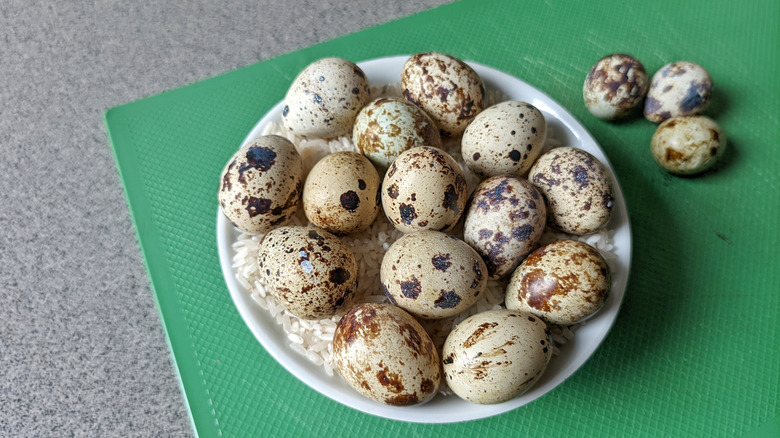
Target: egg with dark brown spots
point(424, 189)
point(563, 282)
point(506, 138)
point(448, 89)
point(310, 272)
point(432, 274)
point(577, 189)
point(386, 355)
point(615, 86)
point(681, 88)
point(388, 126)
point(261, 184)
point(495, 356)
point(686, 145)
point(504, 221)
point(341, 193)
point(325, 98)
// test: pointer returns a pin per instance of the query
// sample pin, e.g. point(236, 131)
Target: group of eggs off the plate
point(685, 141)
point(382, 350)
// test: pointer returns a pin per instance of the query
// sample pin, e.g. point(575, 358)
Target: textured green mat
point(695, 350)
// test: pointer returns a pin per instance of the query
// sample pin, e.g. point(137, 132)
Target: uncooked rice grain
point(313, 338)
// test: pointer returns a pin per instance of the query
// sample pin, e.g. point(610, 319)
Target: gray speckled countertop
point(82, 350)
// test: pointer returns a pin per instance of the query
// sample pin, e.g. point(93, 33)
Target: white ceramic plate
point(561, 126)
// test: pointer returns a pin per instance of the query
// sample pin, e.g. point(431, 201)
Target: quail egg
point(450, 91)
point(386, 355)
point(505, 138)
point(614, 86)
point(309, 272)
point(261, 184)
point(687, 145)
point(678, 89)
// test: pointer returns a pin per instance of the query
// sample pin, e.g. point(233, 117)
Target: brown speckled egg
point(341, 193)
point(386, 355)
point(615, 86)
point(325, 98)
point(261, 184)
point(388, 126)
point(562, 282)
point(577, 189)
point(678, 89)
point(494, 356)
point(506, 138)
point(432, 275)
point(450, 91)
point(504, 221)
point(424, 189)
point(309, 272)
point(687, 145)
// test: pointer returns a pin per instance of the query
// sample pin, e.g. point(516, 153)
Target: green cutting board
point(695, 350)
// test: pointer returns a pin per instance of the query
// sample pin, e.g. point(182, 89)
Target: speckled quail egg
point(563, 282)
point(261, 184)
point(615, 86)
point(687, 145)
point(678, 89)
point(424, 189)
point(325, 98)
point(388, 126)
point(448, 89)
point(577, 189)
point(432, 274)
point(310, 272)
point(504, 220)
point(505, 138)
point(497, 355)
point(341, 193)
point(386, 355)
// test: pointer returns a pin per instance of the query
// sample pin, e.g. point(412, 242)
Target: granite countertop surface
point(82, 349)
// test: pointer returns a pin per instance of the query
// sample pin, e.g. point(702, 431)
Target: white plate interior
point(562, 126)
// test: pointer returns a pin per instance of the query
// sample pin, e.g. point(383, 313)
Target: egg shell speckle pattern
point(576, 187)
point(325, 98)
point(386, 355)
point(505, 138)
point(678, 89)
point(388, 126)
point(341, 193)
point(424, 189)
point(504, 221)
point(310, 272)
point(687, 145)
point(562, 282)
point(494, 356)
point(614, 86)
point(450, 91)
point(261, 184)
point(432, 274)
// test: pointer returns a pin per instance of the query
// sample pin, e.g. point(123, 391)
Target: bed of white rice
point(313, 338)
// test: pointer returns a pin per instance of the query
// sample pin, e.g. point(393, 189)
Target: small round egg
point(504, 221)
point(505, 138)
point(448, 89)
point(325, 98)
point(341, 193)
point(309, 272)
point(386, 355)
point(495, 356)
point(432, 275)
point(615, 86)
point(563, 282)
point(424, 189)
point(388, 126)
point(577, 189)
point(687, 145)
point(261, 184)
point(678, 89)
